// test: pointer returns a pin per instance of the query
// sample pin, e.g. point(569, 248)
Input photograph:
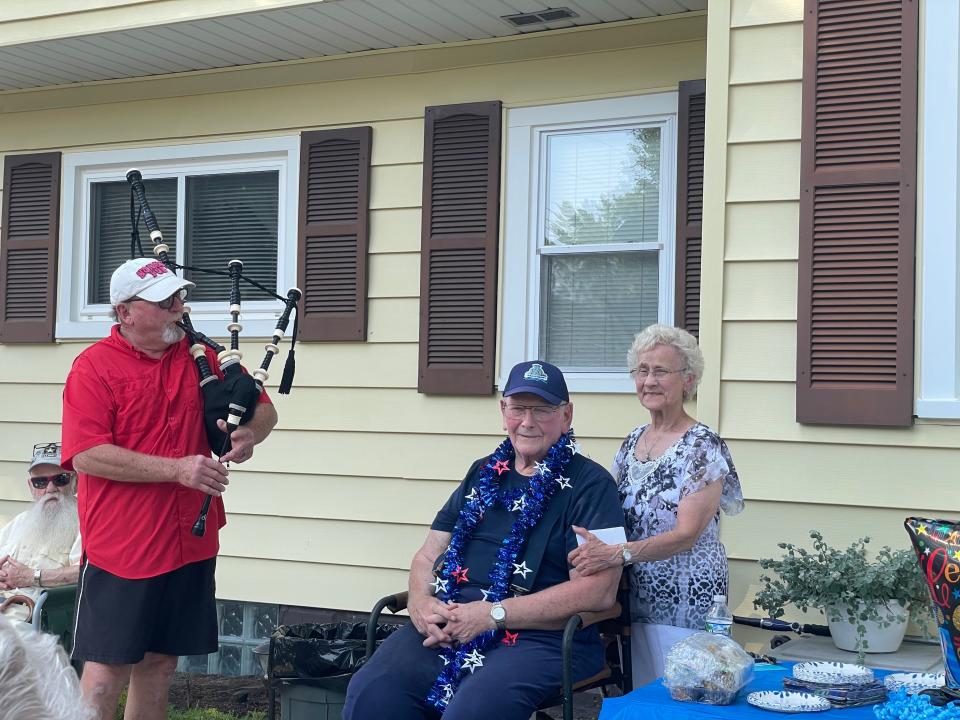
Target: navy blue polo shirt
point(591, 501)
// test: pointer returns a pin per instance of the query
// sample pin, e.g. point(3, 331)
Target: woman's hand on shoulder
point(593, 555)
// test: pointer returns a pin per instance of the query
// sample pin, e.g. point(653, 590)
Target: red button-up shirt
point(117, 395)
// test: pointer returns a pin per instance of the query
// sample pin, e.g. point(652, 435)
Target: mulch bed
point(239, 695)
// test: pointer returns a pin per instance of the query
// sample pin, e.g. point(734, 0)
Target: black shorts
point(119, 620)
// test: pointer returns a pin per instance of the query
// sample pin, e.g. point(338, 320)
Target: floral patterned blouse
point(677, 590)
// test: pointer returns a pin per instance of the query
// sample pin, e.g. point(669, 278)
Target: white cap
point(145, 278)
point(45, 454)
point(719, 598)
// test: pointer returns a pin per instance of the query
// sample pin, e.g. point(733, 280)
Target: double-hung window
point(214, 202)
point(939, 266)
point(588, 260)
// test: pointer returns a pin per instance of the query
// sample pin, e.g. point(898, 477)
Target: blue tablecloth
point(653, 702)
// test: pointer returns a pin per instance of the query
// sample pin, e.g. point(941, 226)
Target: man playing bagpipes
point(133, 427)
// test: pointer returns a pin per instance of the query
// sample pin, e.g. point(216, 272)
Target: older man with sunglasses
point(133, 428)
point(40, 547)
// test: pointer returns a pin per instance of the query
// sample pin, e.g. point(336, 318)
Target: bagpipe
point(232, 398)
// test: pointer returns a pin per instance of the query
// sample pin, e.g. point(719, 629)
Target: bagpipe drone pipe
point(232, 397)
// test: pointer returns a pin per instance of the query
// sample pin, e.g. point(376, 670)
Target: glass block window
point(241, 627)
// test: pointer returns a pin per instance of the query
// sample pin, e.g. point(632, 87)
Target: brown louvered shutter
point(857, 212)
point(458, 253)
point(28, 247)
point(333, 233)
point(691, 120)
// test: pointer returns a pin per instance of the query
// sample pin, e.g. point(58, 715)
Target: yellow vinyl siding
point(762, 231)
point(766, 171)
point(765, 112)
point(762, 290)
point(765, 53)
point(847, 481)
point(333, 506)
point(303, 583)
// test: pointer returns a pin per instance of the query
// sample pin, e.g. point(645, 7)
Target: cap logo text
point(154, 269)
point(536, 372)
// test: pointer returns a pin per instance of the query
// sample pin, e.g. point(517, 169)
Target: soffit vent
point(541, 17)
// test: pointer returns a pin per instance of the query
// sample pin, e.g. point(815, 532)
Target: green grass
point(210, 714)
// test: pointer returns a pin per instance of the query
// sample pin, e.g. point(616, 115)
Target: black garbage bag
point(318, 650)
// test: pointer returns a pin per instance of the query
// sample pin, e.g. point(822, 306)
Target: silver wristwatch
point(499, 615)
point(626, 554)
point(36, 577)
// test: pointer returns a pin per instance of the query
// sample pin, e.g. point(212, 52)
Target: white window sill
point(947, 409)
point(256, 324)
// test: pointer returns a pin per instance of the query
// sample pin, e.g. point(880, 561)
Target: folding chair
point(614, 626)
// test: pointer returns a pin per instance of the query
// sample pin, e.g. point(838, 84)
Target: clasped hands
point(445, 624)
point(14, 574)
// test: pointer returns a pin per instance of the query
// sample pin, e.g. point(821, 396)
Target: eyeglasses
point(40, 482)
point(182, 294)
point(658, 373)
point(540, 412)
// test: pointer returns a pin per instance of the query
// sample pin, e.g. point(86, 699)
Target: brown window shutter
point(333, 233)
point(458, 253)
point(691, 121)
point(857, 213)
point(29, 241)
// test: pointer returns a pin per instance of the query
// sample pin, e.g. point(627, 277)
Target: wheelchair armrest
point(588, 618)
point(397, 602)
point(394, 603)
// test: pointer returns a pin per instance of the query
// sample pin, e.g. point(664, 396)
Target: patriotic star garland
point(537, 495)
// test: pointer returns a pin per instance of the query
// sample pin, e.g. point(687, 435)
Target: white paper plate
point(833, 673)
point(788, 702)
point(913, 682)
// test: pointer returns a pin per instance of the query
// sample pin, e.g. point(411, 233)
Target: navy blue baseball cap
point(538, 378)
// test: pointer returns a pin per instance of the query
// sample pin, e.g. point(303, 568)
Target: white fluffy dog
point(36, 681)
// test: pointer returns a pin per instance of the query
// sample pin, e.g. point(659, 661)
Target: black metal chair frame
point(614, 626)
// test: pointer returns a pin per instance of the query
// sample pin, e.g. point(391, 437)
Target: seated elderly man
point(40, 547)
point(490, 590)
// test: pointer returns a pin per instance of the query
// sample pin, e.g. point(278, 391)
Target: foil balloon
point(937, 544)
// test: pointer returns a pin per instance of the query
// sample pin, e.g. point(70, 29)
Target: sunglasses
point(40, 482)
point(182, 294)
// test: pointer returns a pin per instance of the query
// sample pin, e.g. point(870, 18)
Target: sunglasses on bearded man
point(40, 482)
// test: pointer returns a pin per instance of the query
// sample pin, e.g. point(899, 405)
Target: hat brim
point(51, 461)
point(162, 289)
point(535, 390)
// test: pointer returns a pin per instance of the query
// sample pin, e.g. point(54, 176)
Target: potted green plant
point(867, 601)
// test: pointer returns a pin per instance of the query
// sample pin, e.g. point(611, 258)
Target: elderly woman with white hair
point(674, 475)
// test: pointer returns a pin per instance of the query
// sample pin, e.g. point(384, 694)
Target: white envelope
point(610, 536)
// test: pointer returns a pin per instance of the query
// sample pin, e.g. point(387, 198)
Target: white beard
point(49, 528)
point(172, 334)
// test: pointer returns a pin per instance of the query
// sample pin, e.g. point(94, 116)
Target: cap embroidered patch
point(154, 269)
point(535, 373)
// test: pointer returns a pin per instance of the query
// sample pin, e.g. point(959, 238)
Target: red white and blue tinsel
point(529, 502)
point(901, 706)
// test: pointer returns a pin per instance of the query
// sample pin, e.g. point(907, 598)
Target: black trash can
point(312, 664)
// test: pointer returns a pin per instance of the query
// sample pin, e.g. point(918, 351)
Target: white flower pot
point(878, 639)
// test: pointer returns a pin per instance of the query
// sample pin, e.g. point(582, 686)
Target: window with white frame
point(588, 253)
point(939, 269)
point(213, 202)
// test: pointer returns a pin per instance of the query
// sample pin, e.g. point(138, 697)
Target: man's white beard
point(50, 528)
point(172, 334)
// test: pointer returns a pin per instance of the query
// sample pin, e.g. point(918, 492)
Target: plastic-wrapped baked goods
point(707, 668)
